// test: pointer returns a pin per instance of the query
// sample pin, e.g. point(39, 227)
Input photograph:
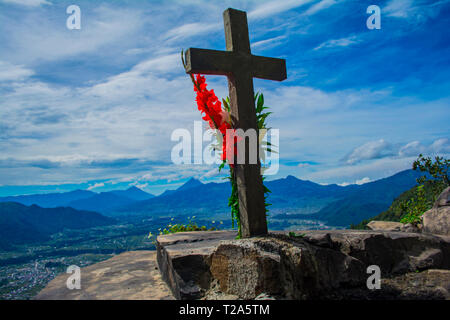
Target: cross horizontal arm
point(269, 68)
point(204, 61)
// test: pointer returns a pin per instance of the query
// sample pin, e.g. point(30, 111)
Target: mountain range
point(83, 199)
point(290, 198)
point(24, 224)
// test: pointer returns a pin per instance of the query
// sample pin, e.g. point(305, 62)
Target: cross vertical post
point(240, 66)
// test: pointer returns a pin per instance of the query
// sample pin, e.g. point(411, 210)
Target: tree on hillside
point(436, 177)
point(410, 205)
point(435, 170)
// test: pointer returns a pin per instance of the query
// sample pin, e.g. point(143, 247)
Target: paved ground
point(131, 275)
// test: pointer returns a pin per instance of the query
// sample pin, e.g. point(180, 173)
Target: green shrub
point(416, 206)
point(179, 227)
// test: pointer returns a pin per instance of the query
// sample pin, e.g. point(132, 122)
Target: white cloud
point(190, 30)
point(440, 146)
point(309, 99)
point(96, 185)
point(381, 149)
point(343, 42)
point(133, 113)
point(269, 43)
point(179, 172)
point(10, 72)
point(418, 10)
point(378, 168)
point(358, 182)
point(104, 30)
point(363, 181)
point(160, 64)
point(275, 7)
point(142, 80)
point(399, 8)
point(322, 5)
point(413, 148)
point(375, 170)
point(370, 150)
point(28, 3)
point(303, 165)
point(139, 185)
point(211, 173)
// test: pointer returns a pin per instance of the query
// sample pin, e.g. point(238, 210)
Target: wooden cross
point(240, 66)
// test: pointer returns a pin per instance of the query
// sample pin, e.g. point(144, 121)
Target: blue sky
point(95, 108)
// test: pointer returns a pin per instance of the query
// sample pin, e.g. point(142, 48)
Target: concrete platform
point(131, 275)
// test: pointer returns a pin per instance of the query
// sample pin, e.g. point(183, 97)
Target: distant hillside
point(102, 202)
point(133, 193)
point(192, 183)
point(295, 196)
point(50, 200)
point(397, 210)
point(344, 212)
point(195, 200)
point(25, 224)
point(83, 200)
point(367, 200)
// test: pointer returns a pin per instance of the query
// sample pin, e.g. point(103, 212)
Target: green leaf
point(271, 151)
point(226, 105)
point(260, 103)
point(262, 119)
point(264, 116)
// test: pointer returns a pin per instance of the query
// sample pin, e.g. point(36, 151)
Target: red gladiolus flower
point(209, 105)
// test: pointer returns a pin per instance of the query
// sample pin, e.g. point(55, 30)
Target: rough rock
point(131, 275)
point(385, 225)
point(393, 252)
point(393, 226)
point(433, 284)
point(316, 264)
point(183, 259)
point(437, 219)
point(280, 267)
point(409, 227)
point(443, 200)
